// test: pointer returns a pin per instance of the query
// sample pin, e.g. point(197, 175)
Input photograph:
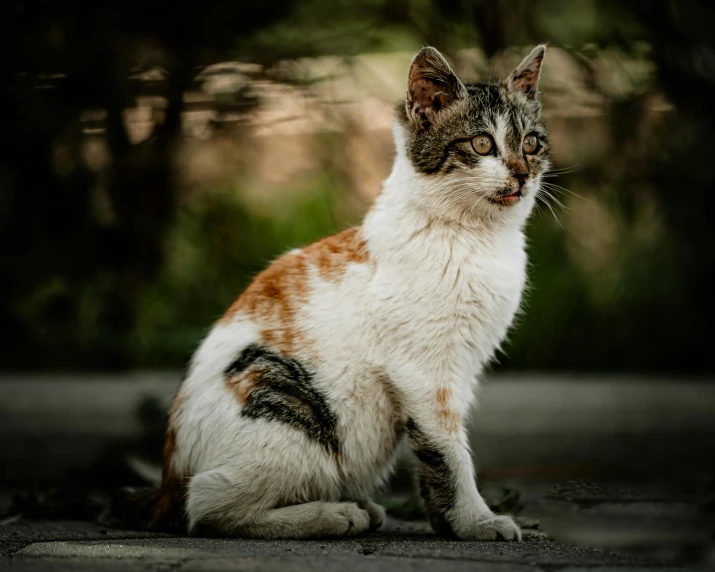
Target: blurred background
point(155, 156)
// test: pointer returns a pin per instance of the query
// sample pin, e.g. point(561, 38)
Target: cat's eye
point(530, 144)
point(483, 144)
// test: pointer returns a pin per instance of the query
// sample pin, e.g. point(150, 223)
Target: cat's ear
point(525, 78)
point(431, 87)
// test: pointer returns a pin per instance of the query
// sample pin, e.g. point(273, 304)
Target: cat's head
point(479, 148)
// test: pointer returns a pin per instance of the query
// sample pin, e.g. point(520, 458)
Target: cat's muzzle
point(507, 197)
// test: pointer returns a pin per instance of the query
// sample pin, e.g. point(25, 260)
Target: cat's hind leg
point(228, 508)
point(269, 460)
point(310, 520)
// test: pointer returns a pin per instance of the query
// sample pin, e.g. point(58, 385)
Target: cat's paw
point(347, 519)
point(492, 527)
point(375, 511)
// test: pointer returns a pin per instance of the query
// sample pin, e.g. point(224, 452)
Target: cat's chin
point(506, 200)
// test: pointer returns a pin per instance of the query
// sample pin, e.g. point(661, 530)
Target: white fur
point(429, 309)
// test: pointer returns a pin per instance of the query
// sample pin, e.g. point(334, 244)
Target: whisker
point(559, 189)
point(551, 209)
point(563, 171)
point(553, 198)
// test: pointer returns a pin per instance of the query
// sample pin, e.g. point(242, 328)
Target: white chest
point(448, 296)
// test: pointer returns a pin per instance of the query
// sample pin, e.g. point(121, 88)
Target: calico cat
point(295, 403)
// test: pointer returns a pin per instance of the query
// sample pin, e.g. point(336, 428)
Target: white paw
point(349, 519)
point(493, 527)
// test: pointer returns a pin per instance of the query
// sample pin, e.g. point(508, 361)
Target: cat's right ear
point(431, 87)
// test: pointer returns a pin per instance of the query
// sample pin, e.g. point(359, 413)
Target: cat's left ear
point(525, 78)
point(431, 87)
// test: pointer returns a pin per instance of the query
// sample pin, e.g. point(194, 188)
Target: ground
point(604, 473)
point(406, 546)
point(642, 531)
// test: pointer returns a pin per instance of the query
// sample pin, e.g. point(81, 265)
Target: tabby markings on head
point(442, 116)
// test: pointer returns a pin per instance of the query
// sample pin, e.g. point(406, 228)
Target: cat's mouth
point(506, 199)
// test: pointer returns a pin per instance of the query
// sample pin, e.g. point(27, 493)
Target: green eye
point(483, 144)
point(530, 144)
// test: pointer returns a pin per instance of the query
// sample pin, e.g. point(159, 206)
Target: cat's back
point(288, 281)
point(279, 308)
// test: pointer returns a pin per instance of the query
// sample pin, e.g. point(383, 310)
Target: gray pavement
point(574, 526)
point(619, 474)
point(403, 546)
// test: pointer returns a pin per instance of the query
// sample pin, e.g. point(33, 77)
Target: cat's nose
point(521, 177)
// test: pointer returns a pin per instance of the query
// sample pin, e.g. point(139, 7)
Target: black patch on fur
point(285, 393)
point(437, 485)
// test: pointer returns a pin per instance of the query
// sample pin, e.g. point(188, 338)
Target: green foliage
point(123, 266)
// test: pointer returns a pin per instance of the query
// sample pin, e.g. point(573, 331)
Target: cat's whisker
point(553, 198)
point(447, 193)
point(559, 189)
point(552, 175)
point(562, 171)
point(539, 197)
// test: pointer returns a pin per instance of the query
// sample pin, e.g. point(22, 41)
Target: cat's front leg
point(374, 511)
point(447, 479)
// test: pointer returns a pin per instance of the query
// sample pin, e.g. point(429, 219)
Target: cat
point(295, 404)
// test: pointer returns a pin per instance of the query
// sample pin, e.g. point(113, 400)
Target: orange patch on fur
point(168, 510)
point(242, 384)
point(448, 418)
point(332, 254)
point(275, 296)
point(272, 300)
point(170, 443)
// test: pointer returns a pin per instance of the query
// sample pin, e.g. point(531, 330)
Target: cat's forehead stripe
point(515, 131)
point(501, 130)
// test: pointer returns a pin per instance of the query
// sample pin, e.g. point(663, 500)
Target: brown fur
point(332, 254)
point(168, 510)
point(274, 297)
point(241, 385)
point(448, 418)
point(272, 300)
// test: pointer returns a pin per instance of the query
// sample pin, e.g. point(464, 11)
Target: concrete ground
point(80, 546)
point(605, 473)
point(42, 546)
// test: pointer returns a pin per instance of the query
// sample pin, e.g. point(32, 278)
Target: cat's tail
point(154, 509)
point(163, 507)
